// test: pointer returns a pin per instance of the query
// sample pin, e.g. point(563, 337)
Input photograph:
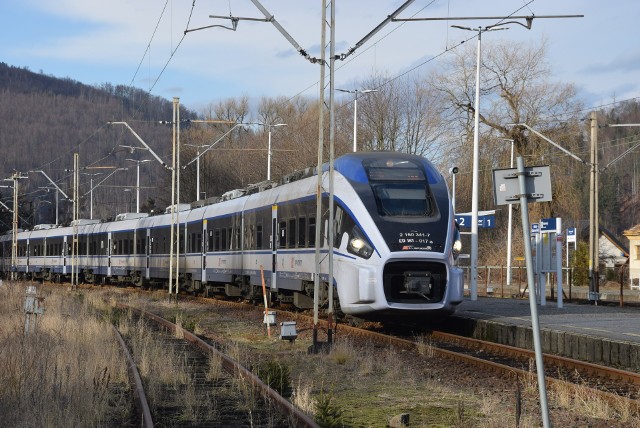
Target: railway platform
point(604, 334)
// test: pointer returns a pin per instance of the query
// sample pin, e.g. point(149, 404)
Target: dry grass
point(68, 372)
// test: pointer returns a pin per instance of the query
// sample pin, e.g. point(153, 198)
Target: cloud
point(627, 63)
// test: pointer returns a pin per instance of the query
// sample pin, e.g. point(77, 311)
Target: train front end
point(398, 238)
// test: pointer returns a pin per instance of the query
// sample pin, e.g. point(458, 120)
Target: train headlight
point(457, 247)
point(358, 244)
point(457, 243)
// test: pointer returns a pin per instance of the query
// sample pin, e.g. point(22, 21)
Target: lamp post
point(138, 162)
point(355, 112)
point(453, 171)
point(129, 202)
point(473, 283)
point(91, 191)
point(269, 148)
point(197, 167)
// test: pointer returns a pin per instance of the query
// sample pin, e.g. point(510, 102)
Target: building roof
point(634, 231)
point(615, 241)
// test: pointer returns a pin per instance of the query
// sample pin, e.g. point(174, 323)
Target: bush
point(277, 376)
point(580, 264)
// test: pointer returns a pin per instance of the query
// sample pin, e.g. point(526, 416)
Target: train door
point(147, 253)
point(64, 255)
point(109, 250)
point(203, 248)
point(274, 246)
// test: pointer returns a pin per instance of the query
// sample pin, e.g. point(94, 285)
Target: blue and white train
point(395, 246)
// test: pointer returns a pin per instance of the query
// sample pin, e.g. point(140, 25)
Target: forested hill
point(44, 119)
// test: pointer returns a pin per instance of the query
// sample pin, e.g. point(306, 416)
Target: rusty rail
point(141, 399)
point(300, 418)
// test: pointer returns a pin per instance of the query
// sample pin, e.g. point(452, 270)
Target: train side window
point(199, 243)
point(292, 233)
point(312, 232)
point(259, 237)
point(302, 232)
point(283, 234)
point(223, 239)
point(210, 247)
point(217, 247)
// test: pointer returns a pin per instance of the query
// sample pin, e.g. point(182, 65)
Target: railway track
point(223, 400)
point(609, 384)
point(618, 387)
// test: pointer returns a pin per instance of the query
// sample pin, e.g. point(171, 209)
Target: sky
point(142, 43)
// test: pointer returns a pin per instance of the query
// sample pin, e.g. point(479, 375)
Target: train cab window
point(291, 241)
point(259, 237)
point(312, 232)
point(400, 189)
point(283, 234)
point(302, 231)
point(402, 199)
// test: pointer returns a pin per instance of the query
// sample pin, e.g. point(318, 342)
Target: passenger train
point(395, 247)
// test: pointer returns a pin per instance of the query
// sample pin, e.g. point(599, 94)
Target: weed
point(276, 375)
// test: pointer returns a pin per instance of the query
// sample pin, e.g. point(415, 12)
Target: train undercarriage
point(239, 288)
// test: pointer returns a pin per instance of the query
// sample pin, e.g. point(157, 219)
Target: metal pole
point(593, 213)
point(535, 324)
point(318, 237)
point(198, 176)
point(355, 122)
point(14, 237)
point(178, 196)
point(173, 197)
point(269, 156)
point(474, 191)
point(331, 166)
point(596, 208)
point(138, 187)
point(91, 198)
point(509, 241)
point(453, 199)
point(57, 197)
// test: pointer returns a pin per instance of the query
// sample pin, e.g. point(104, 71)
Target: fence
point(492, 280)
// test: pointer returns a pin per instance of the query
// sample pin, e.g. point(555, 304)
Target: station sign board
point(535, 228)
point(571, 234)
point(484, 221)
point(549, 225)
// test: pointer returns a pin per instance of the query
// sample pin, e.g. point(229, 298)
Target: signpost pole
point(524, 209)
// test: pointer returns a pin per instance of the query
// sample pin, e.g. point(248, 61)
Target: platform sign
point(506, 188)
point(484, 221)
point(535, 228)
point(571, 234)
point(549, 225)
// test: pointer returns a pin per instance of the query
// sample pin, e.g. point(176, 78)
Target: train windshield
point(402, 199)
point(400, 188)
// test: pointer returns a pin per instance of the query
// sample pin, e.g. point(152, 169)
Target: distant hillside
point(44, 120)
